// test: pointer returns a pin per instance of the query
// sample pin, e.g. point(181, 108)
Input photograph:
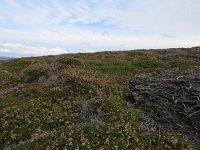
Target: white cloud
point(83, 25)
point(22, 13)
point(62, 14)
point(25, 50)
point(2, 19)
point(13, 3)
point(37, 14)
point(174, 16)
point(79, 39)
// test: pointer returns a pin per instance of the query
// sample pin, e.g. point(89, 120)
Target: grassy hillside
point(80, 101)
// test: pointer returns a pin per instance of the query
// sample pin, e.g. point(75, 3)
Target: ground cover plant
point(85, 101)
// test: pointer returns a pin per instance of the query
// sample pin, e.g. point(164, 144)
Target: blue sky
point(44, 27)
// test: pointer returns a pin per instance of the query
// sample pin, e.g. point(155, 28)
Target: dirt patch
point(171, 102)
point(52, 60)
point(54, 80)
point(89, 113)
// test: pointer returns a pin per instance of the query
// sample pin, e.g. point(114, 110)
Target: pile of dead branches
point(171, 100)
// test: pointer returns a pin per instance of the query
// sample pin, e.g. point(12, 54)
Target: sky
point(49, 27)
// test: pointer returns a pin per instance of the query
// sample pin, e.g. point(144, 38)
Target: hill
point(104, 100)
point(5, 58)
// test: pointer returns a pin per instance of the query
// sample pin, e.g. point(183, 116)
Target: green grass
point(15, 65)
point(129, 65)
point(43, 114)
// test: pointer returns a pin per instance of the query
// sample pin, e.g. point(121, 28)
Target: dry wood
point(171, 100)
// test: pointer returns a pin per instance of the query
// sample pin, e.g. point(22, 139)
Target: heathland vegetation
point(97, 100)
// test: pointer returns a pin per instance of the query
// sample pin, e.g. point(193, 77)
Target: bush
point(31, 75)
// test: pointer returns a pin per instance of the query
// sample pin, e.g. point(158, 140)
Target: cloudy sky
point(43, 27)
